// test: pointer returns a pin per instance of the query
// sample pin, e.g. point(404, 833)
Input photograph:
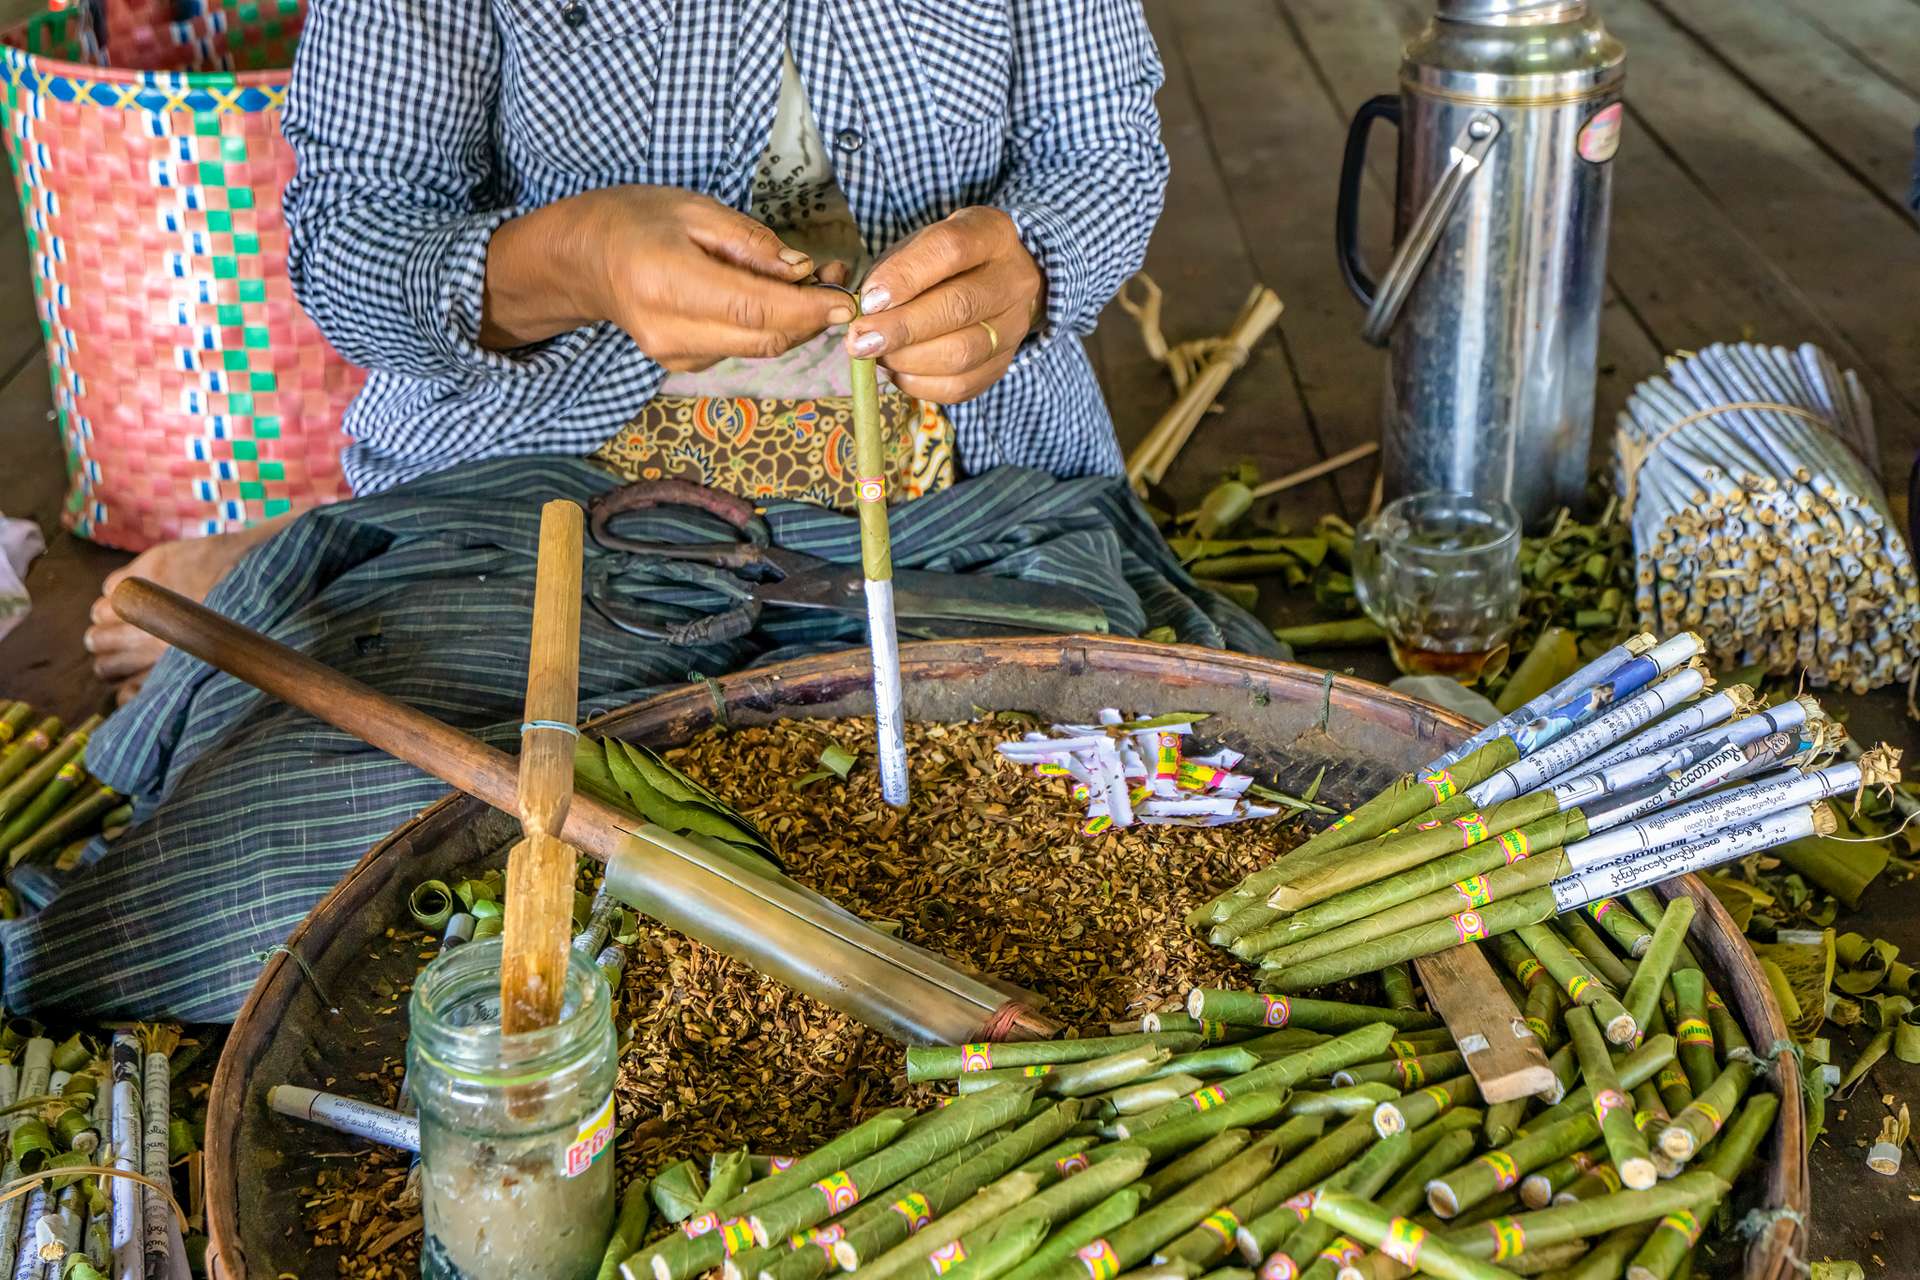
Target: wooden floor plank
point(1829, 250)
point(1882, 35)
point(1200, 260)
point(1864, 122)
point(1279, 141)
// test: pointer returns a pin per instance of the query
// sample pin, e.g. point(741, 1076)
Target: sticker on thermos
point(594, 1137)
point(1600, 136)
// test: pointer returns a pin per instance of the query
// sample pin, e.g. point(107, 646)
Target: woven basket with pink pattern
point(193, 393)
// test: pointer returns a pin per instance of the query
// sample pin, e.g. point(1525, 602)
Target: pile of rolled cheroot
point(1748, 474)
point(1298, 1136)
point(1628, 773)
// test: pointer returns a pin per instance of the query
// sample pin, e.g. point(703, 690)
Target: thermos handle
point(1346, 217)
point(1469, 152)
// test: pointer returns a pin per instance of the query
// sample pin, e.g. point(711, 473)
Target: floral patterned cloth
point(781, 447)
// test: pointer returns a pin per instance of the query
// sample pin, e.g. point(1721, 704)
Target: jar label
point(594, 1137)
point(1600, 136)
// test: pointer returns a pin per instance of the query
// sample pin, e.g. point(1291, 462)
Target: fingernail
point(86, 641)
point(867, 344)
point(792, 257)
point(840, 315)
point(876, 299)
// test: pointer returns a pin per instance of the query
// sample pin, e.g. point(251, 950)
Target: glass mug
point(1440, 573)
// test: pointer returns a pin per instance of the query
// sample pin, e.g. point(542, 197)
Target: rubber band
point(1637, 456)
point(530, 725)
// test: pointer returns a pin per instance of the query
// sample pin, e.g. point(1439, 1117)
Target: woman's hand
point(690, 280)
point(947, 307)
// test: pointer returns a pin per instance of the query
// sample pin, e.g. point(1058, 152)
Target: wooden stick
point(1501, 1052)
point(1294, 479)
point(1150, 460)
point(539, 912)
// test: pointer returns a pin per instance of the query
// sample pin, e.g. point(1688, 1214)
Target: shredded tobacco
point(986, 867)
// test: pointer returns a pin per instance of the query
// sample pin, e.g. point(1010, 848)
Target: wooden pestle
point(539, 910)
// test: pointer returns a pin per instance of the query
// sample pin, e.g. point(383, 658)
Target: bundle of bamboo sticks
point(1748, 474)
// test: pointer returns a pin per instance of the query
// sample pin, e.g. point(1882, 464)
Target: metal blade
point(921, 596)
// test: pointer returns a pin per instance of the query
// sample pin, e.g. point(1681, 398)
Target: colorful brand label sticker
point(1411, 1073)
point(913, 1207)
point(839, 1191)
point(1097, 826)
point(69, 772)
point(1473, 829)
point(1707, 1109)
point(1598, 910)
point(1529, 971)
point(1075, 1163)
point(1470, 926)
point(1440, 1094)
point(700, 1224)
point(1516, 845)
point(946, 1257)
point(1606, 1102)
point(1199, 777)
point(1694, 1031)
point(780, 1164)
point(1404, 1241)
point(736, 1235)
point(1577, 985)
point(976, 1057)
point(1441, 784)
point(1505, 1171)
point(1224, 1223)
point(1344, 819)
point(1275, 1010)
point(1342, 1252)
point(1428, 826)
point(1477, 890)
point(1403, 1049)
point(36, 741)
point(1051, 769)
point(1212, 1030)
point(1280, 1267)
point(1509, 1238)
point(1609, 1178)
point(590, 1142)
point(821, 1238)
point(1166, 756)
point(1037, 1069)
point(1208, 1098)
point(1600, 136)
point(1301, 1205)
point(873, 489)
point(1537, 1025)
point(1714, 1001)
point(1683, 1221)
point(1099, 1259)
point(1583, 1162)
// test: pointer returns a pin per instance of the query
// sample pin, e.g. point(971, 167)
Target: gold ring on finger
point(993, 339)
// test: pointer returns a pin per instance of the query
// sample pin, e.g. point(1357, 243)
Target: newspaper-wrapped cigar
point(129, 1253)
point(1694, 853)
point(1537, 768)
point(1731, 715)
point(1598, 671)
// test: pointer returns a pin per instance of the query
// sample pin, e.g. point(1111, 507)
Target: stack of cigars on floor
point(1341, 1136)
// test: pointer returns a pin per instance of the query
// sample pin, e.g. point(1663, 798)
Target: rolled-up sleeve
point(392, 204)
point(1087, 174)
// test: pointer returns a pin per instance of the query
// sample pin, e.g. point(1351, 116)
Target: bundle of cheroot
point(1300, 1137)
point(1628, 773)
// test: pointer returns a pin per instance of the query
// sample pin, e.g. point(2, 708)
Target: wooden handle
point(536, 933)
point(320, 691)
point(553, 672)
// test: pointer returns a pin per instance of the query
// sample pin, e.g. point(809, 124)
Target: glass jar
point(516, 1132)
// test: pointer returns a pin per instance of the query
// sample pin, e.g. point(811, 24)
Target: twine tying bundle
point(1758, 520)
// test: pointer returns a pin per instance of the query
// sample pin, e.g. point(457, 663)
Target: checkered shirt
point(420, 129)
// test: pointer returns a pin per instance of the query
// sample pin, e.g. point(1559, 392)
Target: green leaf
point(806, 780)
point(838, 759)
point(1163, 722)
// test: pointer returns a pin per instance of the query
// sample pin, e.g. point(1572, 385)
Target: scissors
point(755, 574)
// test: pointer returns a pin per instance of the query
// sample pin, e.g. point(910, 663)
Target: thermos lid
point(1511, 12)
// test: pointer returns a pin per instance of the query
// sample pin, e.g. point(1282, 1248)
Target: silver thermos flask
point(1509, 115)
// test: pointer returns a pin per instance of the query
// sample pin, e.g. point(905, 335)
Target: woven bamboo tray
point(1290, 720)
